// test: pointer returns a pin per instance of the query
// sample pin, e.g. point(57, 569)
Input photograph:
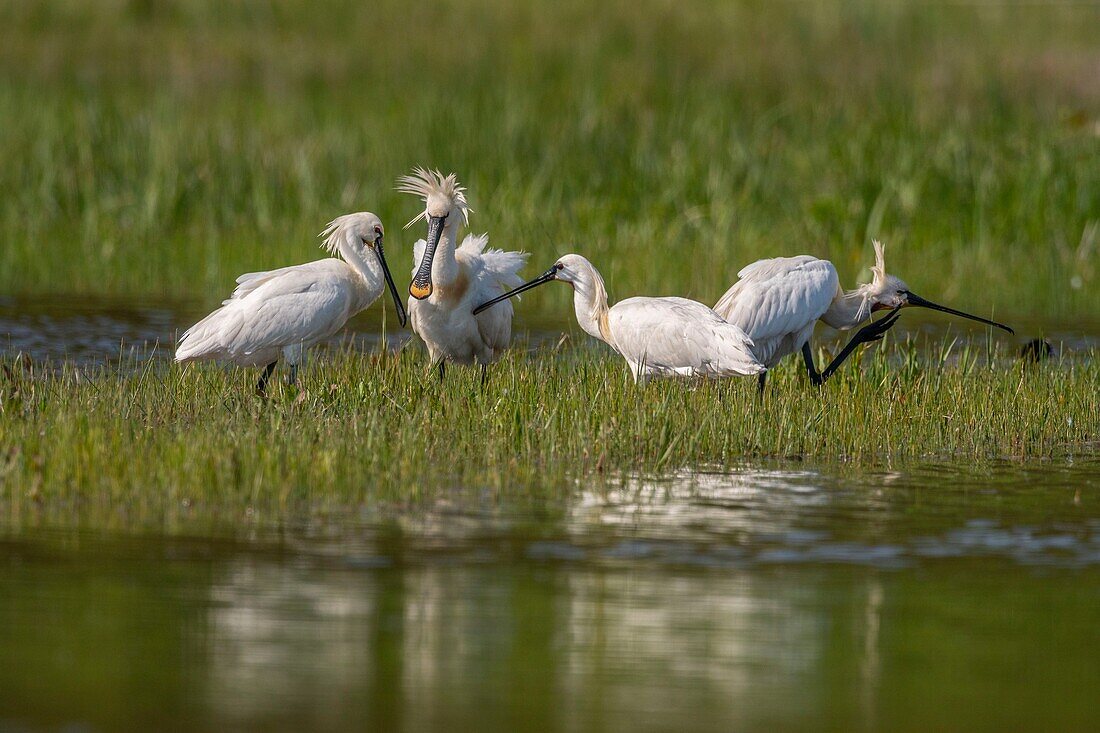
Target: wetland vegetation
point(913, 547)
point(378, 426)
point(157, 147)
point(161, 148)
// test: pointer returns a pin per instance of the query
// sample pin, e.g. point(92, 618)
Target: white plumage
point(270, 312)
point(678, 337)
point(281, 313)
point(449, 280)
point(658, 337)
point(779, 301)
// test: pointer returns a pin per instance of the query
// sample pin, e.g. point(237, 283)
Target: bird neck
point(370, 276)
point(590, 303)
point(848, 309)
point(444, 265)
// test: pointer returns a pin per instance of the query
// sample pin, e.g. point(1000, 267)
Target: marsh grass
point(151, 441)
point(160, 148)
point(163, 147)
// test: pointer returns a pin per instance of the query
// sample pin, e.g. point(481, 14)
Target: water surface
point(773, 597)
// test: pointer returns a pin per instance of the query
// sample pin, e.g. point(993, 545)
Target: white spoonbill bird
point(658, 337)
point(779, 301)
point(283, 312)
point(449, 280)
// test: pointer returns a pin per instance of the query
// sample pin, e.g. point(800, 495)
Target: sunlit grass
point(158, 148)
point(378, 428)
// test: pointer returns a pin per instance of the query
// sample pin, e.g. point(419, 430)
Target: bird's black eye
point(558, 267)
point(378, 230)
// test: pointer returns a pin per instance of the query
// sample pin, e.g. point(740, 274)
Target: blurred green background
point(160, 147)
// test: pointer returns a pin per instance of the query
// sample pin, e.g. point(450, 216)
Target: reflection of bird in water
point(1036, 350)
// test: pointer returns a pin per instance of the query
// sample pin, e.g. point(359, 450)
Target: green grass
point(155, 147)
point(377, 429)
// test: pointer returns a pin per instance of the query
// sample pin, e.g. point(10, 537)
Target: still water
point(773, 597)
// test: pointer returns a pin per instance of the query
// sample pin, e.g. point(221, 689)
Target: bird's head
point(445, 208)
point(887, 292)
point(362, 231)
point(359, 236)
point(572, 269)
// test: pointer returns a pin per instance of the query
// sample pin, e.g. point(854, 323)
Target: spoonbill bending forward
point(283, 312)
point(657, 336)
point(778, 301)
point(448, 281)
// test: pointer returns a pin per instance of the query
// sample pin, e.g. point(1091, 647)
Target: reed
point(157, 147)
point(144, 442)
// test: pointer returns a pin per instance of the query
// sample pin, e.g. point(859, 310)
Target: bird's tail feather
point(501, 266)
point(505, 266)
point(207, 339)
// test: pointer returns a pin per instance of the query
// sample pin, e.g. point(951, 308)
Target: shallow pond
point(774, 597)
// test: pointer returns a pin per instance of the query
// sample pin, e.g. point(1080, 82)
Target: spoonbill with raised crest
point(658, 337)
point(281, 313)
point(779, 301)
point(449, 280)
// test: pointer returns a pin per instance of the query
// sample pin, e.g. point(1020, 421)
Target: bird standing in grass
point(281, 313)
point(779, 301)
point(658, 337)
point(449, 280)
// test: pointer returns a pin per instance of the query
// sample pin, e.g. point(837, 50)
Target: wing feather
point(295, 305)
point(493, 271)
point(779, 296)
point(680, 336)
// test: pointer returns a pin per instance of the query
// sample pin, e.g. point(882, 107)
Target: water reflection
point(761, 500)
point(756, 516)
point(509, 648)
point(1021, 514)
point(772, 597)
point(280, 635)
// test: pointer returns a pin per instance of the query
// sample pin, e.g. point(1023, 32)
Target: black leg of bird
point(811, 370)
point(261, 388)
point(761, 378)
point(442, 370)
point(484, 375)
point(871, 332)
